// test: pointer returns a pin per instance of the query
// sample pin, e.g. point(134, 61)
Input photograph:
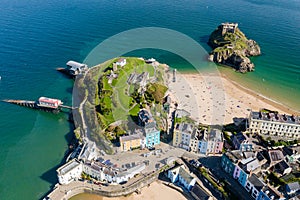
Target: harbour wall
point(67, 191)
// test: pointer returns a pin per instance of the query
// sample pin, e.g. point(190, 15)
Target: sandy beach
point(156, 190)
point(213, 99)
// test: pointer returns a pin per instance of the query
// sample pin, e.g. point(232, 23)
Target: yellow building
point(130, 142)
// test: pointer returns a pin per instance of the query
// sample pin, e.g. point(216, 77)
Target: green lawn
point(134, 111)
point(106, 86)
point(115, 99)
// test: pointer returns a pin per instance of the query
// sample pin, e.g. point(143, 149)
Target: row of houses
point(73, 170)
point(191, 138)
point(273, 124)
point(246, 168)
point(147, 136)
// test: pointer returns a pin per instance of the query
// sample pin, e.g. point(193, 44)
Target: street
point(214, 164)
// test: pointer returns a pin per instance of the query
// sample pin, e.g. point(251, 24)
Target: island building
point(74, 169)
point(246, 167)
point(111, 76)
point(272, 124)
point(121, 62)
point(76, 68)
point(140, 79)
point(190, 138)
point(228, 28)
point(179, 175)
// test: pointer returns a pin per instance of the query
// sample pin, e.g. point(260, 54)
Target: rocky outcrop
point(232, 48)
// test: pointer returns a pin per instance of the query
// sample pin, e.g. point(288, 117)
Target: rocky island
point(232, 48)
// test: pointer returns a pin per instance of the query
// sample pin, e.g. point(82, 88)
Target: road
point(214, 164)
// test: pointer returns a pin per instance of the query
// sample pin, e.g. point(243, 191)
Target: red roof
point(49, 100)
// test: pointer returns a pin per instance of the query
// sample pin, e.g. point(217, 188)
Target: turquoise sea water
point(38, 36)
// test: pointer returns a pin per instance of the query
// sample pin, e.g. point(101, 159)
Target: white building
point(271, 123)
point(121, 62)
point(69, 171)
point(182, 177)
point(94, 169)
point(99, 171)
point(76, 68)
point(89, 151)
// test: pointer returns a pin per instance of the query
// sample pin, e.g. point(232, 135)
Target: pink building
point(236, 172)
point(215, 142)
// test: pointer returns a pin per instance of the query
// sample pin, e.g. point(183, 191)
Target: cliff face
point(231, 47)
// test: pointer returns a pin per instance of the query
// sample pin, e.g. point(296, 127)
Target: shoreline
point(287, 109)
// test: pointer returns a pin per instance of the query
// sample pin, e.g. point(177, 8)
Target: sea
point(38, 36)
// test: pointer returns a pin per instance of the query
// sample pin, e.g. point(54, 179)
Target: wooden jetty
point(44, 103)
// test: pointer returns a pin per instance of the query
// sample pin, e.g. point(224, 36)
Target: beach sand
point(156, 190)
point(213, 99)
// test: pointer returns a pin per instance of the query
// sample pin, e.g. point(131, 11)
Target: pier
point(44, 103)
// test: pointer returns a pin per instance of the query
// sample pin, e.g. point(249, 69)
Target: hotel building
point(271, 123)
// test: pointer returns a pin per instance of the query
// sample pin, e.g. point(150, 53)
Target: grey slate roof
point(198, 193)
point(293, 186)
point(256, 182)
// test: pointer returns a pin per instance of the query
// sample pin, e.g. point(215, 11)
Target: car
point(151, 148)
